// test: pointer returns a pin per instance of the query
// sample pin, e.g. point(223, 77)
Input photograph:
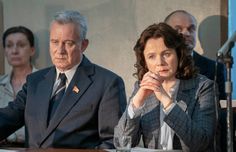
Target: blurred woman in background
point(18, 44)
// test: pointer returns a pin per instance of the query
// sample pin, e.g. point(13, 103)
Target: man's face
point(185, 24)
point(66, 48)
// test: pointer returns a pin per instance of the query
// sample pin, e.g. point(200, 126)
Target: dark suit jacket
point(192, 119)
point(207, 67)
point(84, 119)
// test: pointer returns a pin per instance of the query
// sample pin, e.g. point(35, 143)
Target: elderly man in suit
point(73, 104)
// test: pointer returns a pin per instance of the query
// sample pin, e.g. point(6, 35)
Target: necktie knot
point(62, 83)
point(62, 77)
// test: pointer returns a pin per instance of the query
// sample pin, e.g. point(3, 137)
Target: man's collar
point(69, 73)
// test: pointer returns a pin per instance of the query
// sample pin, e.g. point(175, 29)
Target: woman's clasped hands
point(151, 83)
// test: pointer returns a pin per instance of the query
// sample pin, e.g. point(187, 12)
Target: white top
point(7, 95)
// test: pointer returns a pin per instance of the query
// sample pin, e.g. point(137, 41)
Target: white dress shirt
point(69, 75)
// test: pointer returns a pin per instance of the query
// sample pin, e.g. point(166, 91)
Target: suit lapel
point(43, 96)
point(186, 90)
point(78, 85)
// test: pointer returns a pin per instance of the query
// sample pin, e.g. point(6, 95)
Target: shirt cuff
point(168, 110)
point(134, 112)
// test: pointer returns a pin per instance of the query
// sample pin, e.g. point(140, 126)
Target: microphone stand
point(228, 61)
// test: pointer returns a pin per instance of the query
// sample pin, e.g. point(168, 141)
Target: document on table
point(140, 149)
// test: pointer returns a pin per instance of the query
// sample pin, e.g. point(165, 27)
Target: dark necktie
point(56, 98)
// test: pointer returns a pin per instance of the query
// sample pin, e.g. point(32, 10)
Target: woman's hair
point(173, 40)
point(70, 16)
point(18, 29)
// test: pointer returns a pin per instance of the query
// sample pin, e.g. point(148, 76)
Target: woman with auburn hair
point(172, 106)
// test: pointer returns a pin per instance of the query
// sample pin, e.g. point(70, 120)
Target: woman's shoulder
point(4, 78)
point(203, 82)
point(199, 78)
point(203, 78)
point(196, 82)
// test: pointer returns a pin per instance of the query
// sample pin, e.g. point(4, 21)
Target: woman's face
point(18, 50)
point(160, 59)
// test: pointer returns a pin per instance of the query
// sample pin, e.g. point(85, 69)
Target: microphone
point(227, 45)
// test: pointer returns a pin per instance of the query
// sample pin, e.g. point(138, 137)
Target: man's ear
point(84, 44)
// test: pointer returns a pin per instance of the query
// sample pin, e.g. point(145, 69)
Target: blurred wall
point(1, 50)
point(113, 26)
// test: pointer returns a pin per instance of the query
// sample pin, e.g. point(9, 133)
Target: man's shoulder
point(198, 57)
point(39, 73)
point(205, 61)
point(104, 71)
point(92, 68)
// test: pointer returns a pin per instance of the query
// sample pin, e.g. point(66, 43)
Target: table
point(48, 150)
point(136, 149)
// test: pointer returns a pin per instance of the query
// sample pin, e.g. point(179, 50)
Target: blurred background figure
point(185, 23)
point(18, 44)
